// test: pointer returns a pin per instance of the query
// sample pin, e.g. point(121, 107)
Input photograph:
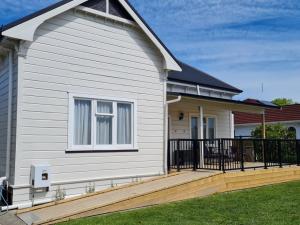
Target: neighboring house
point(288, 116)
point(87, 90)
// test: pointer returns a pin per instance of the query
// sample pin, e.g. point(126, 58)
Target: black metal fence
point(232, 154)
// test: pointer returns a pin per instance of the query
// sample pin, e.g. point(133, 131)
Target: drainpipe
point(178, 99)
point(8, 141)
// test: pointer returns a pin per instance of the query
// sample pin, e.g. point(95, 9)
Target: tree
point(283, 101)
point(274, 131)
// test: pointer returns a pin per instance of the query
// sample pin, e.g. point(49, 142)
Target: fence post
point(242, 155)
point(298, 152)
point(219, 154)
point(264, 153)
point(223, 159)
point(177, 156)
point(279, 153)
point(195, 155)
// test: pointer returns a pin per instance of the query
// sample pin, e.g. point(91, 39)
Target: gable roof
point(192, 75)
point(25, 27)
point(287, 113)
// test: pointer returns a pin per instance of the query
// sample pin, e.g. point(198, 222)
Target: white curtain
point(124, 123)
point(82, 122)
point(104, 107)
point(104, 124)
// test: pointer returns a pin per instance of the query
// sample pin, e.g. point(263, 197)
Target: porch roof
point(247, 106)
point(191, 75)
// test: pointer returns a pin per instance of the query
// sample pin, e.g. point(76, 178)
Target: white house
point(89, 97)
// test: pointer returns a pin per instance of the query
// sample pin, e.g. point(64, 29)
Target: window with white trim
point(101, 124)
point(209, 127)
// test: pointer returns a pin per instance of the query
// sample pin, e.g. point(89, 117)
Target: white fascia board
point(25, 31)
point(170, 63)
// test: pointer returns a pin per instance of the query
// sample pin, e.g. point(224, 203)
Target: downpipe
point(178, 99)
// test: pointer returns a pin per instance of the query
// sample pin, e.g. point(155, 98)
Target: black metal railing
point(232, 154)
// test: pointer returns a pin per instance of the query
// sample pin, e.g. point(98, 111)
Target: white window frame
point(199, 127)
point(94, 147)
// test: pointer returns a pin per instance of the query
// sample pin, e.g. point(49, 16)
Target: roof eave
point(237, 91)
point(25, 28)
point(222, 100)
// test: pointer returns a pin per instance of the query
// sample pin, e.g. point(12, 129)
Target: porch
point(201, 136)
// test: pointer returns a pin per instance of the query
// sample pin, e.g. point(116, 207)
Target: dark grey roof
point(192, 75)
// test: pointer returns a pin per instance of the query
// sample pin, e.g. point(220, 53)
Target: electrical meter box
point(40, 176)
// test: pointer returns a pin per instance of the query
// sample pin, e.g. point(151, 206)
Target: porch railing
point(232, 154)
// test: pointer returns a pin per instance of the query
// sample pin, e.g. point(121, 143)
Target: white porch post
point(201, 136)
point(231, 124)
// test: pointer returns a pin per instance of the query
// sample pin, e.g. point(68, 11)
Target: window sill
point(100, 150)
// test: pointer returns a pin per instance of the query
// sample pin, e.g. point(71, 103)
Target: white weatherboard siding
point(4, 74)
point(181, 128)
point(76, 53)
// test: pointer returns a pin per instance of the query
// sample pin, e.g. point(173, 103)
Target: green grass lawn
point(270, 205)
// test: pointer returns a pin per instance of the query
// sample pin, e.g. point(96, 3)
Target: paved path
point(10, 219)
point(77, 206)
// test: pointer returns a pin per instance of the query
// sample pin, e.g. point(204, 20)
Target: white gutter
point(9, 112)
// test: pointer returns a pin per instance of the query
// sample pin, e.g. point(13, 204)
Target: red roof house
point(288, 115)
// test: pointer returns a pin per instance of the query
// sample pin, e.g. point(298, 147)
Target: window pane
point(211, 128)
point(194, 128)
point(104, 130)
point(104, 107)
point(124, 123)
point(82, 122)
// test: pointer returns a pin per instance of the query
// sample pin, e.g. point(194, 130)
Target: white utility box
point(40, 176)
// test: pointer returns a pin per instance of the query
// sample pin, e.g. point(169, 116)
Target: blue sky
point(246, 43)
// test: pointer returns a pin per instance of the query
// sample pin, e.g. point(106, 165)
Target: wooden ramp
point(176, 187)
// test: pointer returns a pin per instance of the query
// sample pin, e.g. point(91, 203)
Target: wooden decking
point(176, 187)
